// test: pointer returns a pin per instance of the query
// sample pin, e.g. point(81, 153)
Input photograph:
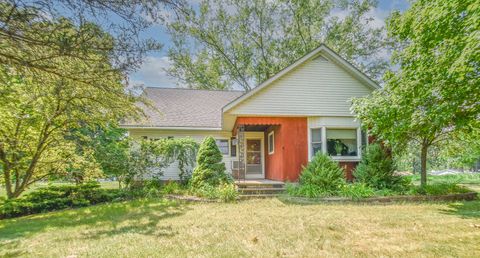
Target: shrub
point(227, 192)
point(439, 189)
point(59, 197)
point(207, 191)
point(357, 191)
point(172, 188)
point(321, 177)
point(210, 169)
point(376, 170)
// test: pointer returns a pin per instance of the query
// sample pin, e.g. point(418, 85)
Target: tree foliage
point(210, 169)
point(36, 36)
point(226, 43)
point(39, 111)
point(435, 93)
point(148, 159)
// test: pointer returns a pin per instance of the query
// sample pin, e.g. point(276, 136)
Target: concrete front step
point(251, 191)
point(253, 196)
point(252, 186)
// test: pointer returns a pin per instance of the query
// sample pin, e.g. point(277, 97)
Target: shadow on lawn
point(465, 209)
point(141, 217)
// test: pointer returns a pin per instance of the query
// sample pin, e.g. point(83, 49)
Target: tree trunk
point(8, 182)
point(423, 161)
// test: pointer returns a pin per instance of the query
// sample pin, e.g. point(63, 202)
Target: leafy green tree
point(104, 148)
point(38, 112)
point(184, 151)
point(29, 41)
point(210, 169)
point(435, 92)
point(226, 43)
point(145, 160)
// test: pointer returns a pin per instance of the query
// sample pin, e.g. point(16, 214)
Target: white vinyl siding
point(316, 88)
point(171, 173)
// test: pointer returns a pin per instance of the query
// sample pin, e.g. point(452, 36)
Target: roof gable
point(322, 51)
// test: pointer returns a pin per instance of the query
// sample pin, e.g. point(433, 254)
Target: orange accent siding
point(291, 145)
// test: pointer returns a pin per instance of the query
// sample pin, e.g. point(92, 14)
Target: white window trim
point(272, 133)
point(324, 143)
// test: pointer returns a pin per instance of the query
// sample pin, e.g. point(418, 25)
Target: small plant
point(210, 169)
point(357, 191)
point(338, 148)
point(172, 187)
point(227, 192)
point(321, 177)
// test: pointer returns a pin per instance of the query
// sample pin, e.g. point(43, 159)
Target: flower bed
point(384, 199)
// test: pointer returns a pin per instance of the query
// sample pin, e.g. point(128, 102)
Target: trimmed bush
point(376, 170)
point(321, 177)
point(210, 169)
point(59, 197)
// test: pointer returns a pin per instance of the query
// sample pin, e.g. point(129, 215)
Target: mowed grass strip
point(261, 228)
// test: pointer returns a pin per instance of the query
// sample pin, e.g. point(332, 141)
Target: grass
point(262, 228)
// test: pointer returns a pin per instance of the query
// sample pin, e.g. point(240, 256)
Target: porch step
point(255, 186)
point(260, 190)
point(256, 196)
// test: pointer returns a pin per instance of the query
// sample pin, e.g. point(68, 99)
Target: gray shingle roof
point(179, 107)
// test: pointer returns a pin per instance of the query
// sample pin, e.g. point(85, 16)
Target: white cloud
point(153, 73)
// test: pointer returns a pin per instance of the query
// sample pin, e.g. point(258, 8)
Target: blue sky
point(152, 73)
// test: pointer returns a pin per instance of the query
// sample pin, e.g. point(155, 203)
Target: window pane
point(270, 143)
point(317, 135)
point(316, 148)
point(223, 146)
point(316, 143)
point(342, 142)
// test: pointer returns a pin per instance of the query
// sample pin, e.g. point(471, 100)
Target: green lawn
point(262, 228)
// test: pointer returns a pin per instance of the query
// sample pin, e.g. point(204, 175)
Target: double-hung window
point(316, 140)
